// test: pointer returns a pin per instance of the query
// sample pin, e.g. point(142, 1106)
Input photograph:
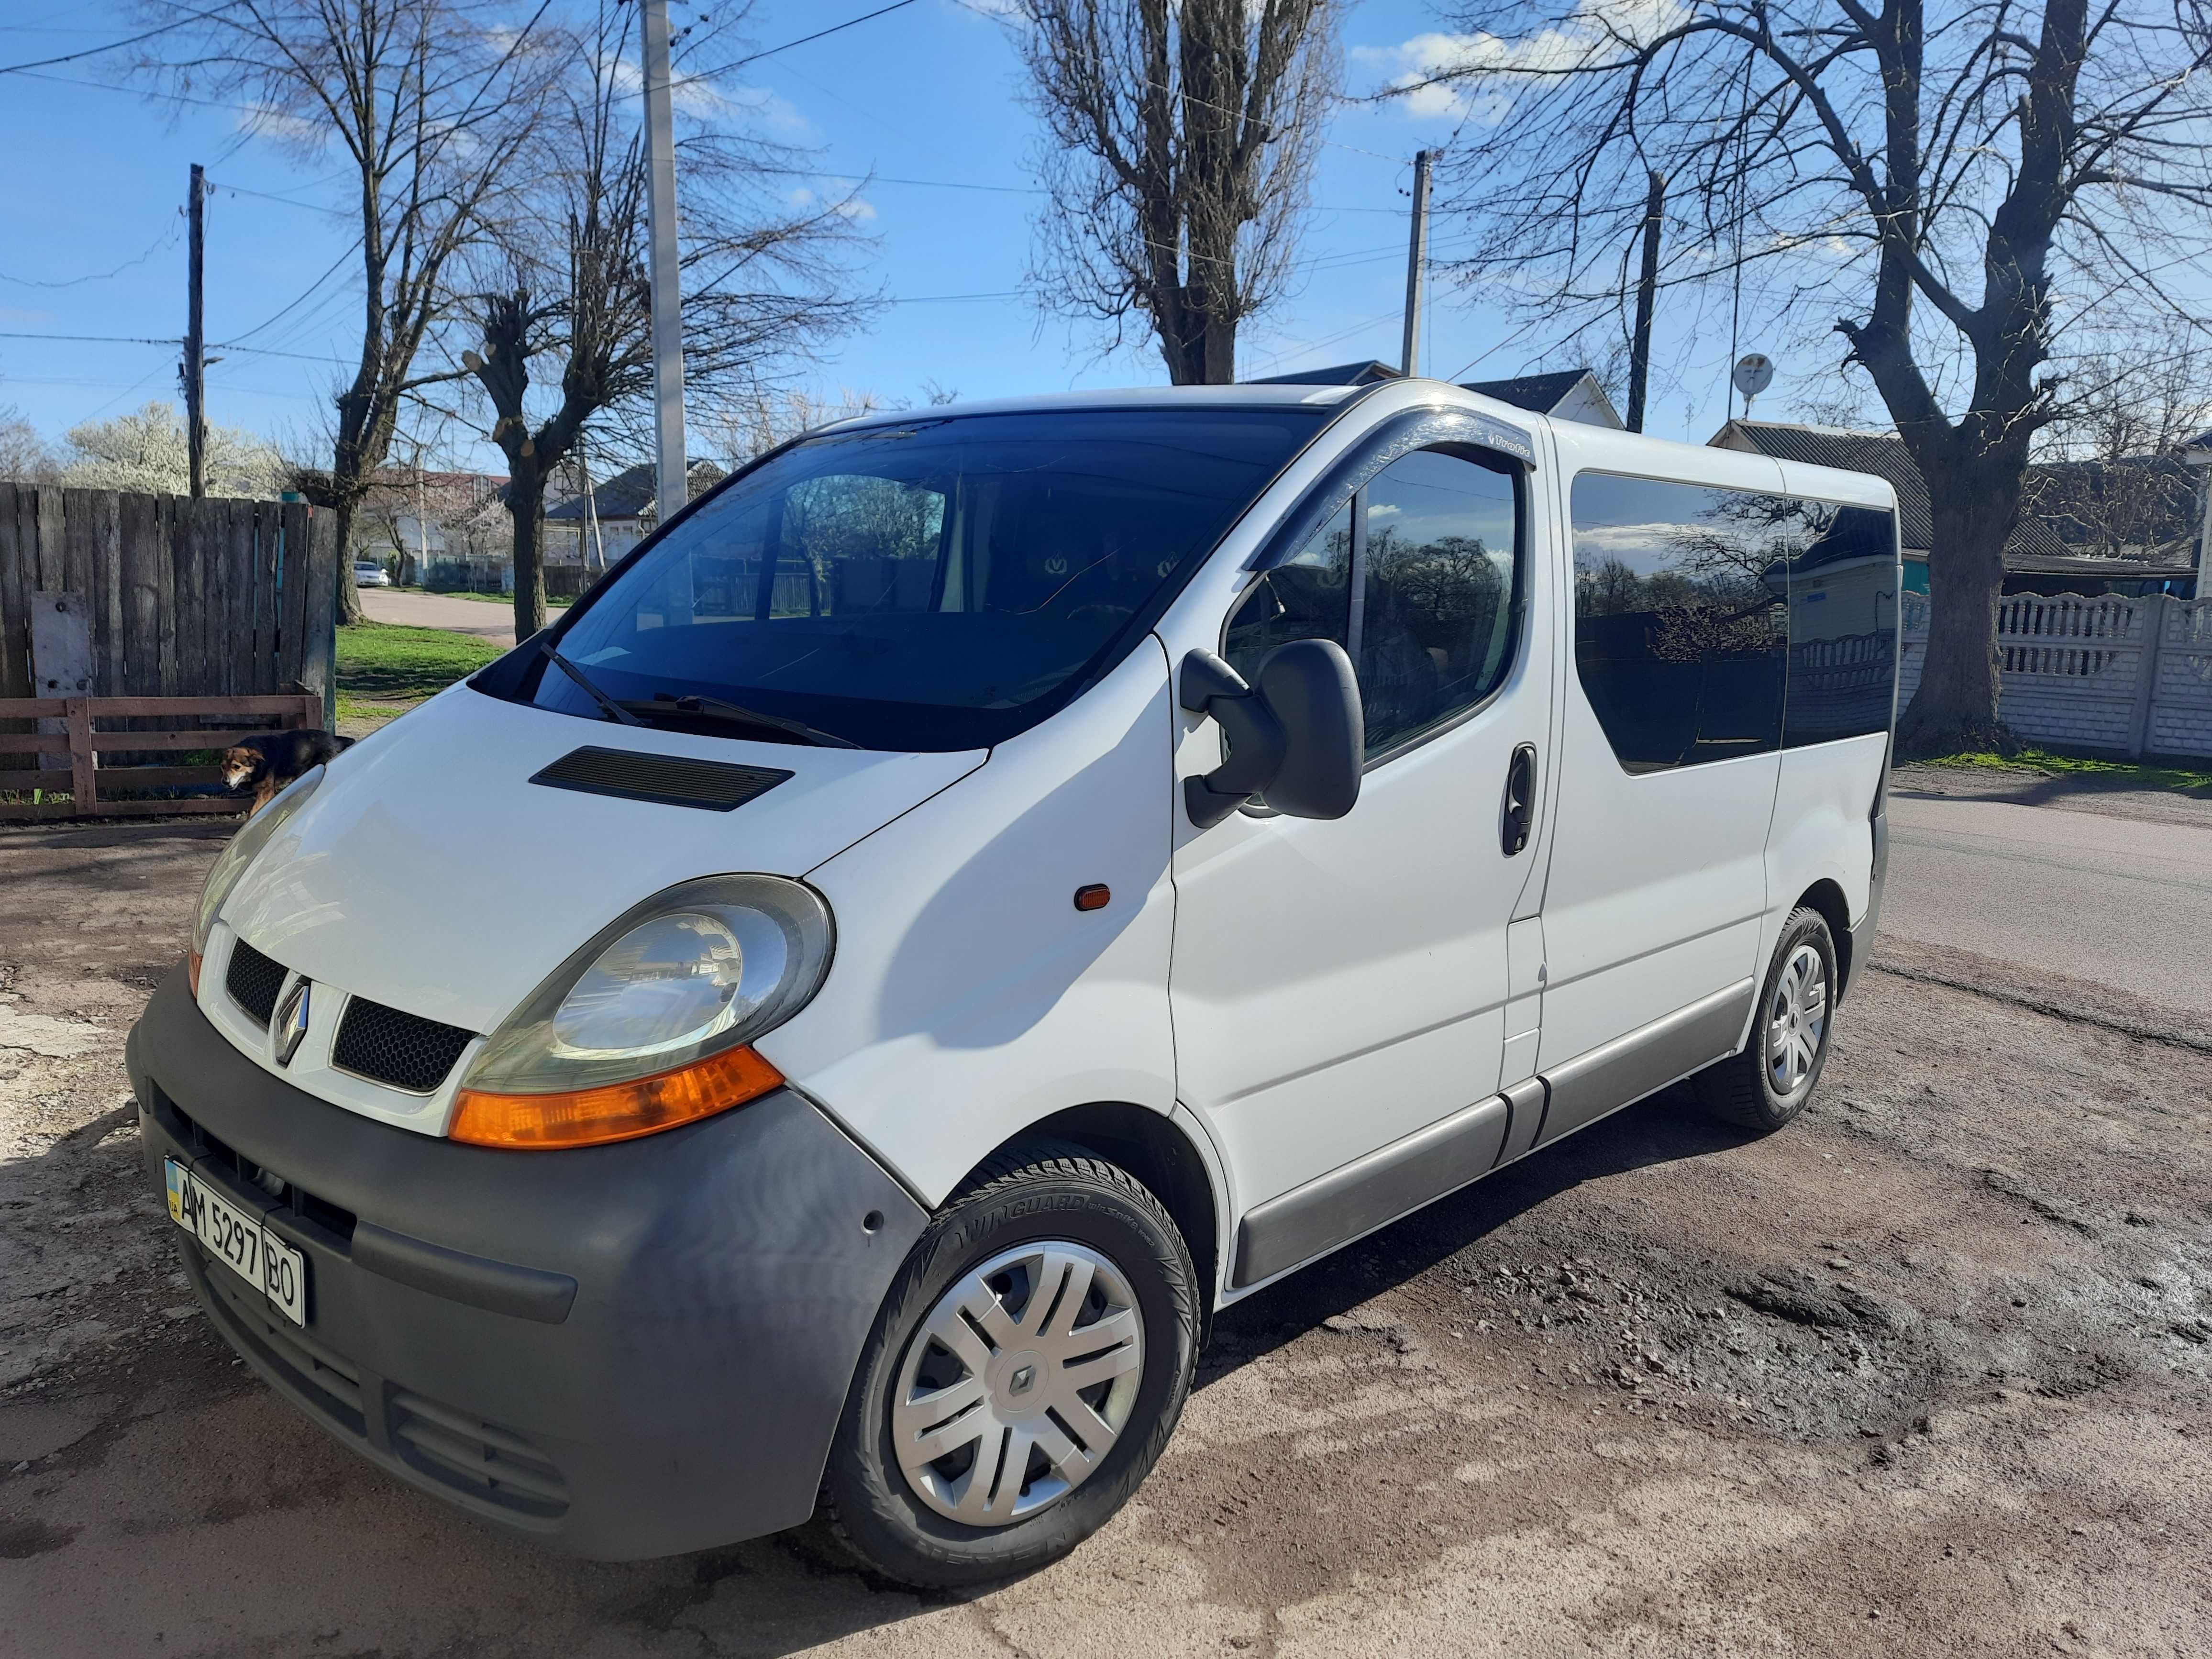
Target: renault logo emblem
point(289, 1027)
point(1023, 1379)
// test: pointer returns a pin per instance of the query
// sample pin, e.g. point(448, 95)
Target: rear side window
point(1843, 622)
point(1681, 617)
point(1419, 578)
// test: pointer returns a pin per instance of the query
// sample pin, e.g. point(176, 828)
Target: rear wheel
point(1769, 1083)
point(1027, 1368)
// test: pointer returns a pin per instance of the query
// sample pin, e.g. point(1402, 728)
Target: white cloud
point(1587, 34)
point(769, 108)
point(859, 210)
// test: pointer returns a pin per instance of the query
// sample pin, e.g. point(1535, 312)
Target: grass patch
point(2181, 779)
point(388, 663)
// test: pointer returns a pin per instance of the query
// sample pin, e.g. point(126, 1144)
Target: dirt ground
point(1928, 1373)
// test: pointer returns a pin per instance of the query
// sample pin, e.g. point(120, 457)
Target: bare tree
point(2109, 477)
point(1953, 184)
point(567, 334)
point(430, 102)
point(24, 455)
point(1181, 142)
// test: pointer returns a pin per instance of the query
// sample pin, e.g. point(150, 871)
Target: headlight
point(645, 1027)
point(230, 864)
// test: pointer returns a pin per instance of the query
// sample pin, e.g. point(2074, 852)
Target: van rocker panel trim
point(1357, 1197)
point(726, 1275)
point(1616, 1074)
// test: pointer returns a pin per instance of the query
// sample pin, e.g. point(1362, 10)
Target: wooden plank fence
point(180, 598)
point(108, 765)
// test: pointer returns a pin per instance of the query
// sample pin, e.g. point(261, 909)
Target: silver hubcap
point(1795, 1019)
point(1019, 1383)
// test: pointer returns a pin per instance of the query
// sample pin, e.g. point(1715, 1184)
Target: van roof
point(1142, 397)
point(1661, 456)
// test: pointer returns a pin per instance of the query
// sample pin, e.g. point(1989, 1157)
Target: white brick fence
point(2121, 677)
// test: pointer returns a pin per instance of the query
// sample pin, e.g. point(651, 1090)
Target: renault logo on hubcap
point(1021, 1380)
point(289, 1028)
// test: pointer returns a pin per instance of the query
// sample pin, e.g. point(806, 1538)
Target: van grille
point(253, 980)
point(667, 780)
point(402, 1050)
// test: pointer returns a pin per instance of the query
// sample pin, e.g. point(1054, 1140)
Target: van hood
point(430, 873)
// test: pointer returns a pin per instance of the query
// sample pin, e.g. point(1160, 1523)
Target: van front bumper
point(624, 1351)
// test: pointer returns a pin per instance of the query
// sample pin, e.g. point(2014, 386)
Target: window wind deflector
point(732, 713)
point(1399, 435)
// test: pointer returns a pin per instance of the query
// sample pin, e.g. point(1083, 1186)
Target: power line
point(770, 52)
point(94, 51)
point(159, 243)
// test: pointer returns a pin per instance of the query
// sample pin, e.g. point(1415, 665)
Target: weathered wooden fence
point(171, 597)
point(2123, 677)
point(130, 757)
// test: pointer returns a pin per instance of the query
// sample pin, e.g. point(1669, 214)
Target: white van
point(827, 1024)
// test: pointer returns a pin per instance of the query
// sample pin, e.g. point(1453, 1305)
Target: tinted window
point(1680, 617)
point(1843, 622)
point(1417, 578)
point(940, 585)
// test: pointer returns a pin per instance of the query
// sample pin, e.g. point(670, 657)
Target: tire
point(1040, 1221)
point(1769, 1083)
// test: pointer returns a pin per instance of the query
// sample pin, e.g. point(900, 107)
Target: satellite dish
point(1754, 373)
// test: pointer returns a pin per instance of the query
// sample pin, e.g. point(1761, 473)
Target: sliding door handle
point(1519, 811)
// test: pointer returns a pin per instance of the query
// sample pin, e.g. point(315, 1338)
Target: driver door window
point(1419, 578)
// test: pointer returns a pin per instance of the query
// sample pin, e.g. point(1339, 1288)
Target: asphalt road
point(2124, 902)
point(495, 622)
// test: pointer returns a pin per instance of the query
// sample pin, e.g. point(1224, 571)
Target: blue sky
point(95, 176)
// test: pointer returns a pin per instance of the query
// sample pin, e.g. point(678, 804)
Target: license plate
point(237, 1239)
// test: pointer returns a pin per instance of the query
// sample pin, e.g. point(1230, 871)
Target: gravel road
point(1928, 1373)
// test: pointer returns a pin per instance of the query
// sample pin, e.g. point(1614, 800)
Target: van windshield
point(939, 584)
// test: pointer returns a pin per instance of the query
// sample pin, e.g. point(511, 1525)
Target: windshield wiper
point(734, 713)
point(613, 710)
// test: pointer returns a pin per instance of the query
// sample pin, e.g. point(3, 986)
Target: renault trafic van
point(824, 1025)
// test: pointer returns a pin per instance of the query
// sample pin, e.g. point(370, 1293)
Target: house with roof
point(2037, 558)
point(1567, 394)
point(599, 524)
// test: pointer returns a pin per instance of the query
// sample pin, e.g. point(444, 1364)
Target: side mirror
point(1296, 739)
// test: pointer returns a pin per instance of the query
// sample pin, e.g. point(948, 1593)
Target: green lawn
point(386, 663)
point(2056, 766)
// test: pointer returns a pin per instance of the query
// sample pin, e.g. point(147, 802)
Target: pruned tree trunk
point(526, 506)
point(348, 593)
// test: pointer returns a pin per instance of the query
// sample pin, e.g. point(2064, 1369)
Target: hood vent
point(666, 780)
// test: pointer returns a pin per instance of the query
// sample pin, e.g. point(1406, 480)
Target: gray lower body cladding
point(624, 1351)
point(1418, 1168)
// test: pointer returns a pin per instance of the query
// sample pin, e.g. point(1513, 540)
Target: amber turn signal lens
point(192, 972)
point(615, 1111)
point(1095, 897)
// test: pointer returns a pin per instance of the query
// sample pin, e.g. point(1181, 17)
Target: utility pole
point(667, 303)
point(1647, 293)
point(193, 371)
point(1417, 261)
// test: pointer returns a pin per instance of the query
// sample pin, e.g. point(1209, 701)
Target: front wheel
point(1769, 1083)
point(1025, 1371)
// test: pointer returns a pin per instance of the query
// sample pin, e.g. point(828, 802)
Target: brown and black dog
point(266, 764)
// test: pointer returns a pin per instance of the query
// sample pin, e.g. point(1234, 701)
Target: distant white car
point(366, 573)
